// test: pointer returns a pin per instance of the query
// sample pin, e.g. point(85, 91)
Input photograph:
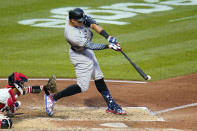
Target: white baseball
point(149, 77)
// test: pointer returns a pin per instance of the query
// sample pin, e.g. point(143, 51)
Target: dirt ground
point(166, 105)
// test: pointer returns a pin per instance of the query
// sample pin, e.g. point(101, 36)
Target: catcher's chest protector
point(4, 95)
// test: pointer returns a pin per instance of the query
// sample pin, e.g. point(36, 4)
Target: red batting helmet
point(17, 80)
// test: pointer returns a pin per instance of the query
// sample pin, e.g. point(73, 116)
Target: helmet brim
point(80, 19)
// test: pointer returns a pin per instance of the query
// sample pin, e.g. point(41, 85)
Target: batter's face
point(76, 23)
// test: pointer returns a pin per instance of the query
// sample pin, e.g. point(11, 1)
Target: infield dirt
point(86, 111)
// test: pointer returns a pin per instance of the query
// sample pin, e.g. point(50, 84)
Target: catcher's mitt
point(51, 85)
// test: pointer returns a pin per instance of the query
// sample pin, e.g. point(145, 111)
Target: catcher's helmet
point(17, 80)
point(6, 123)
point(77, 14)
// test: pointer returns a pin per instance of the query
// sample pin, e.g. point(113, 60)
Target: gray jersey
point(77, 37)
point(83, 59)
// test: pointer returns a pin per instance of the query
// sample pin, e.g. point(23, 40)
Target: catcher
point(17, 85)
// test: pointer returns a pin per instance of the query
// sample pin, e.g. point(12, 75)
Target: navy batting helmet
point(77, 14)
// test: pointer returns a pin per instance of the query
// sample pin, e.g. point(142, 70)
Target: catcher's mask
point(18, 80)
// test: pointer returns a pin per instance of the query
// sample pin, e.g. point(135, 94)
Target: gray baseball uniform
point(83, 59)
point(78, 35)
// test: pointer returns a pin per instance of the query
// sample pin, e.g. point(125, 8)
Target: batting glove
point(115, 47)
point(112, 40)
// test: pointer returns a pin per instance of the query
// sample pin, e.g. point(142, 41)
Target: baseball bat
point(139, 70)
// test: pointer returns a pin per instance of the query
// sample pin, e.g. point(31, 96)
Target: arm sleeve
point(92, 46)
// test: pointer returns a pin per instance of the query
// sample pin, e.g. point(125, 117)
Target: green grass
point(163, 49)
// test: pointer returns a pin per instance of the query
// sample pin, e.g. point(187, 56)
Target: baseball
point(149, 77)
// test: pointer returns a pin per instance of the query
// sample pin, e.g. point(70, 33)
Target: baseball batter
point(79, 36)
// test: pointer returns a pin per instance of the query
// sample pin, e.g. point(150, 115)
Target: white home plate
point(114, 125)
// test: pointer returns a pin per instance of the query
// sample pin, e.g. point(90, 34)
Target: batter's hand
point(115, 47)
point(112, 40)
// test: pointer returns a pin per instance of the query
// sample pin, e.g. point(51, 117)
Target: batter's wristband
point(106, 46)
point(104, 33)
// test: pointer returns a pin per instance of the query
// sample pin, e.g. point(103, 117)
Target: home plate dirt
point(78, 118)
point(98, 114)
